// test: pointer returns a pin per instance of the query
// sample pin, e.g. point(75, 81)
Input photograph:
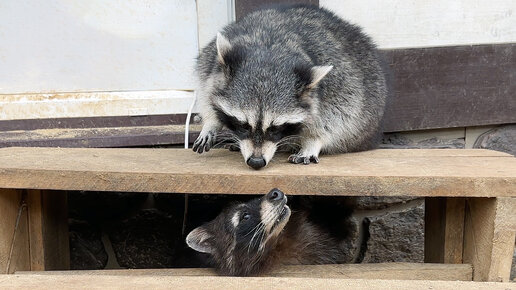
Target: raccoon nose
point(275, 195)
point(256, 162)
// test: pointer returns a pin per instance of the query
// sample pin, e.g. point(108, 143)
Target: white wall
point(96, 45)
point(84, 58)
point(425, 23)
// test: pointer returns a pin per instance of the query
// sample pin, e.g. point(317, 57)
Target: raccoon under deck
point(470, 209)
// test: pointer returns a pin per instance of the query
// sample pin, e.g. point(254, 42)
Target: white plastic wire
point(188, 116)
point(187, 132)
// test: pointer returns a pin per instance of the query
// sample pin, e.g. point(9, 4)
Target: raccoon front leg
point(310, 149)
point(207, 137)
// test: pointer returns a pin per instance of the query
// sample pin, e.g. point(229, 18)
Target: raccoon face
point(258, 142)
point(265, 98)
point(241, 237)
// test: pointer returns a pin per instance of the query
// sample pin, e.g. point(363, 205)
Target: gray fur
point(342, 112)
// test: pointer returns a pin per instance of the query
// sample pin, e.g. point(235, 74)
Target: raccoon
point(249, 239)
point(297, 76)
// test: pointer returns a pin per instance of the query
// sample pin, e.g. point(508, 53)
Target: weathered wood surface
point(490, 229)
point(48, 230)
point(98, 137)
point(14, 247)
point(444, 230)
point(387, 271)
point(372, 173)
point(189, 282)
point(33, 231)
point(447, 87)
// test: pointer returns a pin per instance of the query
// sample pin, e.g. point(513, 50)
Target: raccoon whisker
point(260, 229)
point(259, 224)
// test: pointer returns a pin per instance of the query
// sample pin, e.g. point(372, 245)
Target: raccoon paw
point(204, 143)
point(299, 159)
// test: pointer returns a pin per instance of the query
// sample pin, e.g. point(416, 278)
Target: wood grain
point(387, 271)
point(448, 87)
point(454, 230)
point(14, 248)
point(98, 137)
point(182, 282)
point(490, 228)
point(372, 173)
point(444, 229)
point(48, 230)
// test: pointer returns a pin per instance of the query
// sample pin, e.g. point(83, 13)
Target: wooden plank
point(180, 282)
point(490, 228)
point(387, 271)
point(99, 137)
point(464, 86)
point(48, 230)
point(244, 7)
point(454, 230)
point(93, 122)
point(220, 171)
point(444, 228)
point(14, 248)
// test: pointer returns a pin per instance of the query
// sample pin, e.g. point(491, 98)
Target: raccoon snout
point(275, 195)
point(256, 162)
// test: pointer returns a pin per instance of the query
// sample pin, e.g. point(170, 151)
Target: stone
point(351, 243)
point(395, 236)
point(380, 202)
point(86, 248)
point(397, 141)
point(513, 268)
point(500, 139)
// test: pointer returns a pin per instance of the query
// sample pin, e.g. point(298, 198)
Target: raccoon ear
point(318, 72)
point(199, 240)
point(223, 47)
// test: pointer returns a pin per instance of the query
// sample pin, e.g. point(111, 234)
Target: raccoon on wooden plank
point(297, 76)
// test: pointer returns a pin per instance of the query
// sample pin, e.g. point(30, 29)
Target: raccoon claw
point(297, 159)
point(203, 143)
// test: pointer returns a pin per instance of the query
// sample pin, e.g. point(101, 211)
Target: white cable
point(187, 132)
point(188, 116)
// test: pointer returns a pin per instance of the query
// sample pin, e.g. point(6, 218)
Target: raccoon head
point(268, 97)
point(240, 239)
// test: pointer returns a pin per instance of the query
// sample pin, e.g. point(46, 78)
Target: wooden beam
point(454, 230)
point(373, 173)
point(490, 228)
point(444, 228)
point(14, 247)
point(93, 122)
point(465, 86)
point(99, 137)
point(180, 282)
point(387, 271)
point(48, 230)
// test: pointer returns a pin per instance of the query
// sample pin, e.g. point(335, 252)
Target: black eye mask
point(242, 130)
point(276, 133)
